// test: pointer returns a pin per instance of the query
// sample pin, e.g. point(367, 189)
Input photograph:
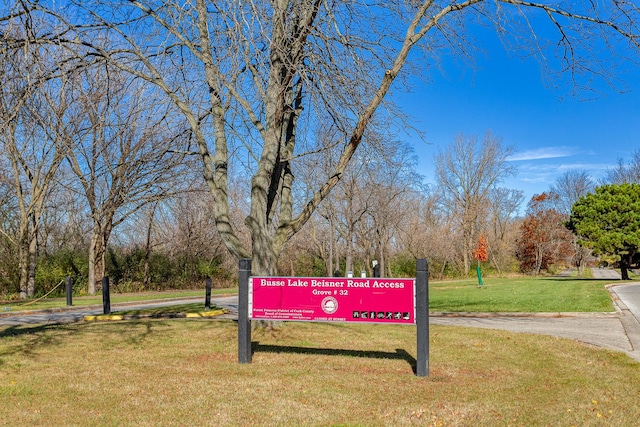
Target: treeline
point(128, 151)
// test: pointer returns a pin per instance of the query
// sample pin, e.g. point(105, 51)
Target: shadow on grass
point(399, 354)
point(36, 337)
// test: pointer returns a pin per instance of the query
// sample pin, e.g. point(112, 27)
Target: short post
point(422, 317)
point(244, 323)
point(106, 297)
point(376, 268)
point(68, 287)
point(207, 294)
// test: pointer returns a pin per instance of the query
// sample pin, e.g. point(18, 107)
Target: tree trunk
point(97, 252)
point(624, 267)
point(23, 265)
point(32, 257)
point(92, 265)
point(147, 248)
point(332, 244)
point(23, 259)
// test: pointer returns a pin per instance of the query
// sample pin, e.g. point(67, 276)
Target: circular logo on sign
point(329, 305)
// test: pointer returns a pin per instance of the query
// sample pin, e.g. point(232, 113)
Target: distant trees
point(122, 153)
point(569, 187)
point(501, 227)
point(607, 222)
point(33, 108)
point(255, 80)
point(625, 172)
point(543, 238)
point(466, 174)
point(104, 103)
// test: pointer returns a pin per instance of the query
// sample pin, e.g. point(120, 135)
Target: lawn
point(116, 298)
point(181, 372)
point(521, 294)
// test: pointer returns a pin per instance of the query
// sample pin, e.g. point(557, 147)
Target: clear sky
point(550, 130)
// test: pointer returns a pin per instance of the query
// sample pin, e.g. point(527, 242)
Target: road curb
point(117, 317)
point(10, 313)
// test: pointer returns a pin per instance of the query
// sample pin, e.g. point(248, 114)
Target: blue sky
point(550, 130)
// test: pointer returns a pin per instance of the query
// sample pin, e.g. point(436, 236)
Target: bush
point(55, 268)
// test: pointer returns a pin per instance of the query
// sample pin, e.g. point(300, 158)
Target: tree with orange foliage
point(544, 240)
point(481, 254)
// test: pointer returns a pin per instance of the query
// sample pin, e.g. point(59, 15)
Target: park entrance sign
point(374, 300)
point(330, 299)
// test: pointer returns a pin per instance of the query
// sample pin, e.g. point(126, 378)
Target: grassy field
point(521, 294)
point(49, 303)
point(179, 372)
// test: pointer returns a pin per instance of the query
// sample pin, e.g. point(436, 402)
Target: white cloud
point(543, 153)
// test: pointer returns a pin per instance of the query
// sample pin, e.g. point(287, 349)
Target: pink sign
point(377, 300)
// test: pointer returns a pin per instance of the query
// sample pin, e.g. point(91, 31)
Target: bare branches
point(256, 82)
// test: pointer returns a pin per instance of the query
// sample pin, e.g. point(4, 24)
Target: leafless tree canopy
point(255, 77)
point(257, 82)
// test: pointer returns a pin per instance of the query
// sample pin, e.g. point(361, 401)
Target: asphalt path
point(76, 314)
point(619, 330)
point(605, 273)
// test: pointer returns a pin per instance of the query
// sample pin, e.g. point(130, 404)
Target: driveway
point(605, 273)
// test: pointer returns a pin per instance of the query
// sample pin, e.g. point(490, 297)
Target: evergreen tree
point(608, 221)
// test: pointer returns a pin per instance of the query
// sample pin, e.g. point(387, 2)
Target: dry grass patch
point(178, 372)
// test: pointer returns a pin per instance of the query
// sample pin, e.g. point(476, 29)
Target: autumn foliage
point(544, 240)
point(481, 252)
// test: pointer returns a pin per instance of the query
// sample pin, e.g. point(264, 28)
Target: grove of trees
point(159, 142)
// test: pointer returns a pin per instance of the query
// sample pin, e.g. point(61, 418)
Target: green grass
point(52, 303)
point(195, 307)
point(521, 294)
point(177, 373)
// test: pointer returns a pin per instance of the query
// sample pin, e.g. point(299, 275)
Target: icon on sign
point(389, 315)
point(380, 315)
point(364, 315)
point(406, 315)
point(329, 305)
point(356, 314)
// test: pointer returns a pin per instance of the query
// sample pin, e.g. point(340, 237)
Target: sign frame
point(320, 299)
point(245, 350)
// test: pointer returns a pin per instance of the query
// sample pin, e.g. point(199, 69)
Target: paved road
point(629, 295)
point(604, 273)
point(77, 314)
point(619, 330)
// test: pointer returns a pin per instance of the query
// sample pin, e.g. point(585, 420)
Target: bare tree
point(569, 188)
point(421, 233)
point(121, 154)
point(466, 174)
point(625, 172)
point(389, 182)
point(502, 209)
point(572, 185)
point(252, 78)
point(33, 105)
